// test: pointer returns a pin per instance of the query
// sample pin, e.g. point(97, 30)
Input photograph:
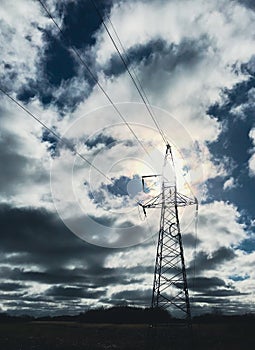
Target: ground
point(71, 335)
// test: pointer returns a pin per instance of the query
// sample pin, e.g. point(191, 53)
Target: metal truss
point(170, 288)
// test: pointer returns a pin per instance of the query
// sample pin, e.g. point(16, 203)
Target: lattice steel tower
point(170, 288)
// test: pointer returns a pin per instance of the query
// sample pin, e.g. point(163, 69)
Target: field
point(71, 335)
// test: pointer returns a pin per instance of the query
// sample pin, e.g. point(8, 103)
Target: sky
point(72, 235)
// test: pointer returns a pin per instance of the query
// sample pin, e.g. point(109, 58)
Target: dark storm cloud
point(135, 55)
point(44, 239)
point(17, 168)
point(212, 302)
point(173, 59)
point(90, 277)
point(14, 164)
point(73, 293)
point(100, 139)
point(44, 308)
point(205, 262)
point(158, 53)
point(42, 247)
point(42, 304)
point(50, 276)
point(213, 292)
point(212, 286)
point(205, 283)
point(11, 296)
point(127, 297)
point(10, 287)
point(190, 240)
point(222, 293)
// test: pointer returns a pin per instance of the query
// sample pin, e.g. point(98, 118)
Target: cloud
point(186, 64)
point(211, 262)
point(18, 163)
point(10, 287)
point(229, 184)
point(65, 268)
point(183, 70)
point(248, 3)
point(62, 293)
point(29, 231)
point(219, 226)
point(20, 42)
point(252, 158)
point(69, 270)
point(205, 283)
point(132, 297)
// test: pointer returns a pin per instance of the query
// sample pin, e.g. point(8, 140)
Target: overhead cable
point(125, 61)
point(61, 139)
point(93, 76)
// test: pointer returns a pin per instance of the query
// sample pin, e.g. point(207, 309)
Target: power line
point(62, 140)
point(125, 62)
point(195, 246)
point(137, 83)
point(65, 142)
point(93, 76)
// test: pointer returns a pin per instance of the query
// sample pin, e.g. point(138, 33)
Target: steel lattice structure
point(170, 288)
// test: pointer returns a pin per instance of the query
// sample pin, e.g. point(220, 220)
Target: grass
point(71, 335)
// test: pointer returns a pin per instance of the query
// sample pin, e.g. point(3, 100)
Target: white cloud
point(219, 226)
point(241, 110)
point(229, 184)
point(252, 165)
point(20, 41)
point(212, 33)
point(251, 162)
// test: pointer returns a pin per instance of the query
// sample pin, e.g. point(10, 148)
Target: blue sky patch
point(248, 245)
point(239, 277)
point(81, 21)
point(58, 63)
point(52, 143)
point(232, 149)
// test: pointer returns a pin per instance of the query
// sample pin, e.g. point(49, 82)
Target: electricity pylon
point(170, 288)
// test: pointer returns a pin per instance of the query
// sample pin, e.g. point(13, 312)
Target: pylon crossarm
point(155, 202)
point(180, 200)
